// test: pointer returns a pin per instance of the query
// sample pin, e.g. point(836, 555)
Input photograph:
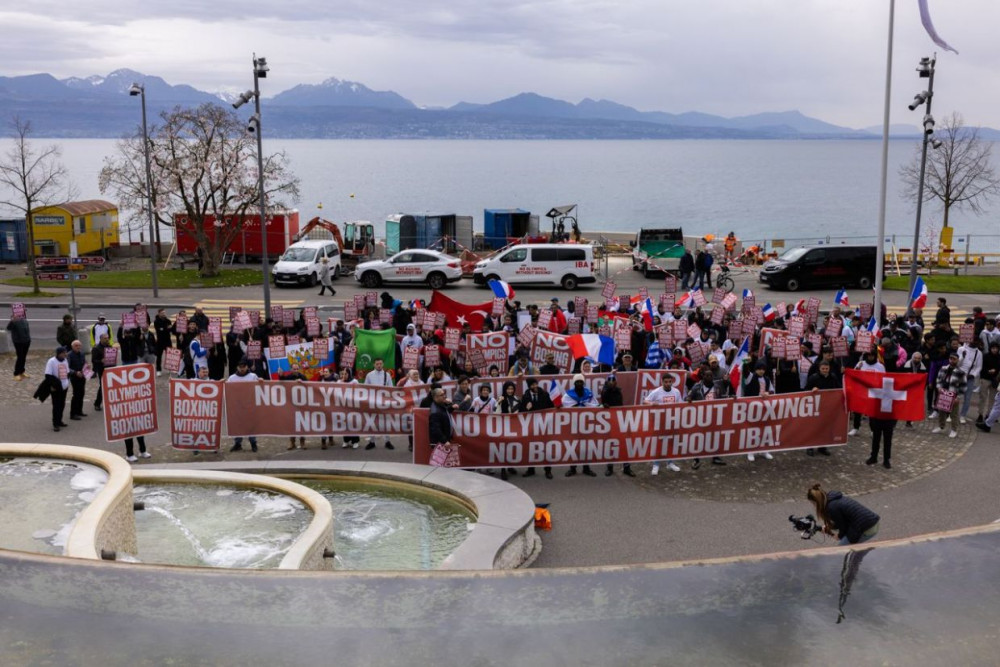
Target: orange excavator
point(357, 244)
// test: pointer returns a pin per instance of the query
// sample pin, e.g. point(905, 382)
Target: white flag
point(925, 18)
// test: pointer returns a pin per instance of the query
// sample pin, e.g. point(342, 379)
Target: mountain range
point(99, 106)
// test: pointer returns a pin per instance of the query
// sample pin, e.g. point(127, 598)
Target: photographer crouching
point(853, 522)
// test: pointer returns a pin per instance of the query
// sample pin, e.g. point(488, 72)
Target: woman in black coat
point(853, 522)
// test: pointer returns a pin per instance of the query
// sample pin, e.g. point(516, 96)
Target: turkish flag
point(886, 395)
point(460, 313)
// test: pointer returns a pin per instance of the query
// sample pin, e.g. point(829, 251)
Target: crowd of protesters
point(958, 362)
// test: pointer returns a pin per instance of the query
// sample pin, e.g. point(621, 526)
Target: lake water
point(759, 189)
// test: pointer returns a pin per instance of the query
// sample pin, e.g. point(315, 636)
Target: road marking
point(220, 307)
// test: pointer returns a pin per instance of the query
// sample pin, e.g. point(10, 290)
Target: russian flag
point(501, 289)
point(595, 346)
point(769, 312)
point(737, 367)
point(841, 299)
point(918, 298)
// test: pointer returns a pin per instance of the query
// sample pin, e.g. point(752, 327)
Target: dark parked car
point(822, 266)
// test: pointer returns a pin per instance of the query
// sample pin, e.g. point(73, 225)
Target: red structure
point(282, 228)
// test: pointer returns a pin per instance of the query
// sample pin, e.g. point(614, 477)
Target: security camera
point(926, 68)
point(936, 143)
point(260, 67)
point(928, 124)
point(243, 99)
point(919, 99)
point(253, 124)
point(134, 90)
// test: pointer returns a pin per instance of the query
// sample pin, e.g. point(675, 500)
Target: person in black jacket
point(823, 378)
point(853, 522)
point(97, 364)
point(77, 360)
point(534, 399)
point(439, 422)
point(686, 269)
point(611, 397)
point(162, 325)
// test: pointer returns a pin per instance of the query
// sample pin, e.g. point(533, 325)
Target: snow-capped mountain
point(334, 92)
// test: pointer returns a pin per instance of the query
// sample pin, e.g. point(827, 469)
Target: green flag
point(374, 345)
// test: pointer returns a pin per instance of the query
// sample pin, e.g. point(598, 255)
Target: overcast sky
point(825, 58)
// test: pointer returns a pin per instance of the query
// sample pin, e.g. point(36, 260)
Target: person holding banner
point(345, 376)
point(665, 394)
point(611, 397)
point(20, 336)
point(534, 399)
point(243, 374)
point(869, 362)
point(97, 355)
point(130, 449)
point(57, 375)
point(162, 327)
point(951, 382)
point(77, 362)
point(579, 396)
point(378, 377)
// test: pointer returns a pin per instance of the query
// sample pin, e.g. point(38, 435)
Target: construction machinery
point(357, 243)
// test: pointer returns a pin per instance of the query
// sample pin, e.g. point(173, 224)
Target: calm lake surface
point(759, 189)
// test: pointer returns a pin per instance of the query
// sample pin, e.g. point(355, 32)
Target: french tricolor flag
point(646, 312)
point(840, 299)
point(737, 367)
point(556, 392)
point(872, 324)
point(918, 298)
point(501, 289)
point(595, 346)
point(686, 300)
point(769, 312)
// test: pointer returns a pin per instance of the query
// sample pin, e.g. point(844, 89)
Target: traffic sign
point(66, 261)
point(62, 276)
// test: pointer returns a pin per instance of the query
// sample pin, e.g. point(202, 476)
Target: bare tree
point(204, 166)
point(959, 171)
point(31, 179)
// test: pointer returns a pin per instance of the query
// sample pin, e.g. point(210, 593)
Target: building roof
point(85, 207)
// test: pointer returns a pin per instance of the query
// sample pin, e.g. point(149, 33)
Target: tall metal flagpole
point(880, 245)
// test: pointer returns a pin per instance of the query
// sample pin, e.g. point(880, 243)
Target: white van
point(565, 264)
point(300, 264)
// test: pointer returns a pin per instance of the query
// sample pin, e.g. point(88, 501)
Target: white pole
point(879, 248)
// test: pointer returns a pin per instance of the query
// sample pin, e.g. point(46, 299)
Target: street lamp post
point(139, 90)
point(926, 70)
point(260, 70)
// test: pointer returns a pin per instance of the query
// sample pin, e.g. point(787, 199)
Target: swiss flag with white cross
point(886, 395)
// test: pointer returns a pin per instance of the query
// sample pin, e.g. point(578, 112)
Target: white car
point(301, 263)
point(411, 266)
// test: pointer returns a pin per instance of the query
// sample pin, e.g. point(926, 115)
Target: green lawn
point(168, 279)
point(944, 284)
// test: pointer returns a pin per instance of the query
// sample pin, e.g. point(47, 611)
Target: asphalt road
point(46, 314)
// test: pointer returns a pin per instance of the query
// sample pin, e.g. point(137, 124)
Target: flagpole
point(880, 246)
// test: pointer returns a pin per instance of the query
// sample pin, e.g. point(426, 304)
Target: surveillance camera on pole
point(918, 100)
point(243, 99)
point(253, 123)
point(928, 124)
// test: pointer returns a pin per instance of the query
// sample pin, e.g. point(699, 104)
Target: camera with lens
point(806, 524)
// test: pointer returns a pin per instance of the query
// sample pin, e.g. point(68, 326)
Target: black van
point(822, 266)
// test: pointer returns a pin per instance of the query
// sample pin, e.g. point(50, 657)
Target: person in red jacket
point(558, 322)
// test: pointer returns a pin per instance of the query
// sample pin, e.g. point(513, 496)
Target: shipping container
point(282, 227)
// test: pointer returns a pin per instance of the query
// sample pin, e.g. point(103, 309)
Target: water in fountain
point(40, 500)
point(380, 527)
point(191, 524)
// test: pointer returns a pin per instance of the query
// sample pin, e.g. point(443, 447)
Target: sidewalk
point(936, 483)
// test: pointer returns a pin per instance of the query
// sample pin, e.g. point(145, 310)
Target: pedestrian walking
point(324, 277)
point(57, 375)
point(77, 362)
point(20, 336)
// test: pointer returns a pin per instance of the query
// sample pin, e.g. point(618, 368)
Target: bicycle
point(725, 280)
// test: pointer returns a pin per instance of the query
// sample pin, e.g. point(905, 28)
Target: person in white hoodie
point(970, 360)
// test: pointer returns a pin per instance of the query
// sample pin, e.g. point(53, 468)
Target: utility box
point(501, 225)
point(13, 241)
point(428, 230)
